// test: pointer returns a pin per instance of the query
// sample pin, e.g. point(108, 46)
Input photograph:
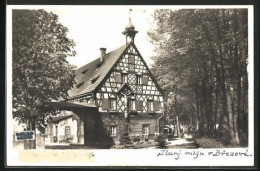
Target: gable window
point(112, 130)
point(112, 104)
point(131, 59)
point(132, 104)
point(124, 77)
point(139, 79)
point(67, 130)
point(150, 105)
point(145, 129)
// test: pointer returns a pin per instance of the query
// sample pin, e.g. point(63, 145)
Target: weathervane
point(130, 12)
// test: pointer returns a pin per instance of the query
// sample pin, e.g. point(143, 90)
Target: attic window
point(93, 80)
point(84, 72)
point(79, 85)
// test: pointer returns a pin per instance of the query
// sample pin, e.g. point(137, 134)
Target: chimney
point(102, 54)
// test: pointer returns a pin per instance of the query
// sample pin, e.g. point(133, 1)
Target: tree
point(40, 70)
point(202, 57)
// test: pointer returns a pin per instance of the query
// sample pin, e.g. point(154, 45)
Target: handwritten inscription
point(197, 153)
point(169, 153)
point(228, 153)
point(91, 155)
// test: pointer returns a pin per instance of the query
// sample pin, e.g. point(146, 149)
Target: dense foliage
point(40, 70)
point(202, 65)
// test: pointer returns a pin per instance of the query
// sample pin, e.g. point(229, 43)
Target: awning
point(66, 106)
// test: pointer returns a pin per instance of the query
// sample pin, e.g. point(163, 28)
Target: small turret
point(130, 31)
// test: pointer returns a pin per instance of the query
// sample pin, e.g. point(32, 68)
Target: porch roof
point(67, 105)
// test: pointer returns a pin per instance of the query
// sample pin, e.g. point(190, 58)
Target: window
point(84, 72)
point(124, 78)
point(67, 130)
point(79, 85)
point(131, 59)
point(139, 79)
point(51, 130)
point(112, 130)
point(112, 104)
point(145, 80)
point(131, 104)
point(93, 80)
point(145, 129)
point(150, 105)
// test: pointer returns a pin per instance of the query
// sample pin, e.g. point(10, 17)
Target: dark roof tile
point(94, 72)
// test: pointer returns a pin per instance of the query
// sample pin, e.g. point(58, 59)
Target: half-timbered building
point(124, 91)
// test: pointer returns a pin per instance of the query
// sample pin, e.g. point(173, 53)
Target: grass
point(137, 145)
point(208, 143)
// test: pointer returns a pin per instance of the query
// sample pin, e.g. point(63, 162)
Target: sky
point(92, 28)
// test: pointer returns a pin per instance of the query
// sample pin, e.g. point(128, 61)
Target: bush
point(125, 139)
point(161, 141)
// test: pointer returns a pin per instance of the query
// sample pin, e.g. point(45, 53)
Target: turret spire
point(130, 30)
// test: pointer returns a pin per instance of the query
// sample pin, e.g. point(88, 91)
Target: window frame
point(133, 57)
point(124, 78)
point(67, 130)
point(110, 104)
point(139, 79)
point(132, 103)
point(146, 129)
point(150, 108)
point(113, 130)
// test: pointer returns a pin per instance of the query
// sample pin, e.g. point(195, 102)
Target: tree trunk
point(197, 107)
point(216, 111)
point(231, 116)
point(30, 144)
point(242, 28)
point(178, 126)
point(33, 128)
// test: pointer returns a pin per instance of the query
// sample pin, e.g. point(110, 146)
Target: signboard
point(24, 135)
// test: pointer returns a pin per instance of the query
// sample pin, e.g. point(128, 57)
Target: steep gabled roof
point(89, 76)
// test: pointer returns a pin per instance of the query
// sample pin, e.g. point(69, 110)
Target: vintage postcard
point(97, 85)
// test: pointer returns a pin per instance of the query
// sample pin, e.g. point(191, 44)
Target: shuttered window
point(139, 105)
point(156, 105)
point(145, 80)
point(131, 60)
point(118, 77)
point(105, 104)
